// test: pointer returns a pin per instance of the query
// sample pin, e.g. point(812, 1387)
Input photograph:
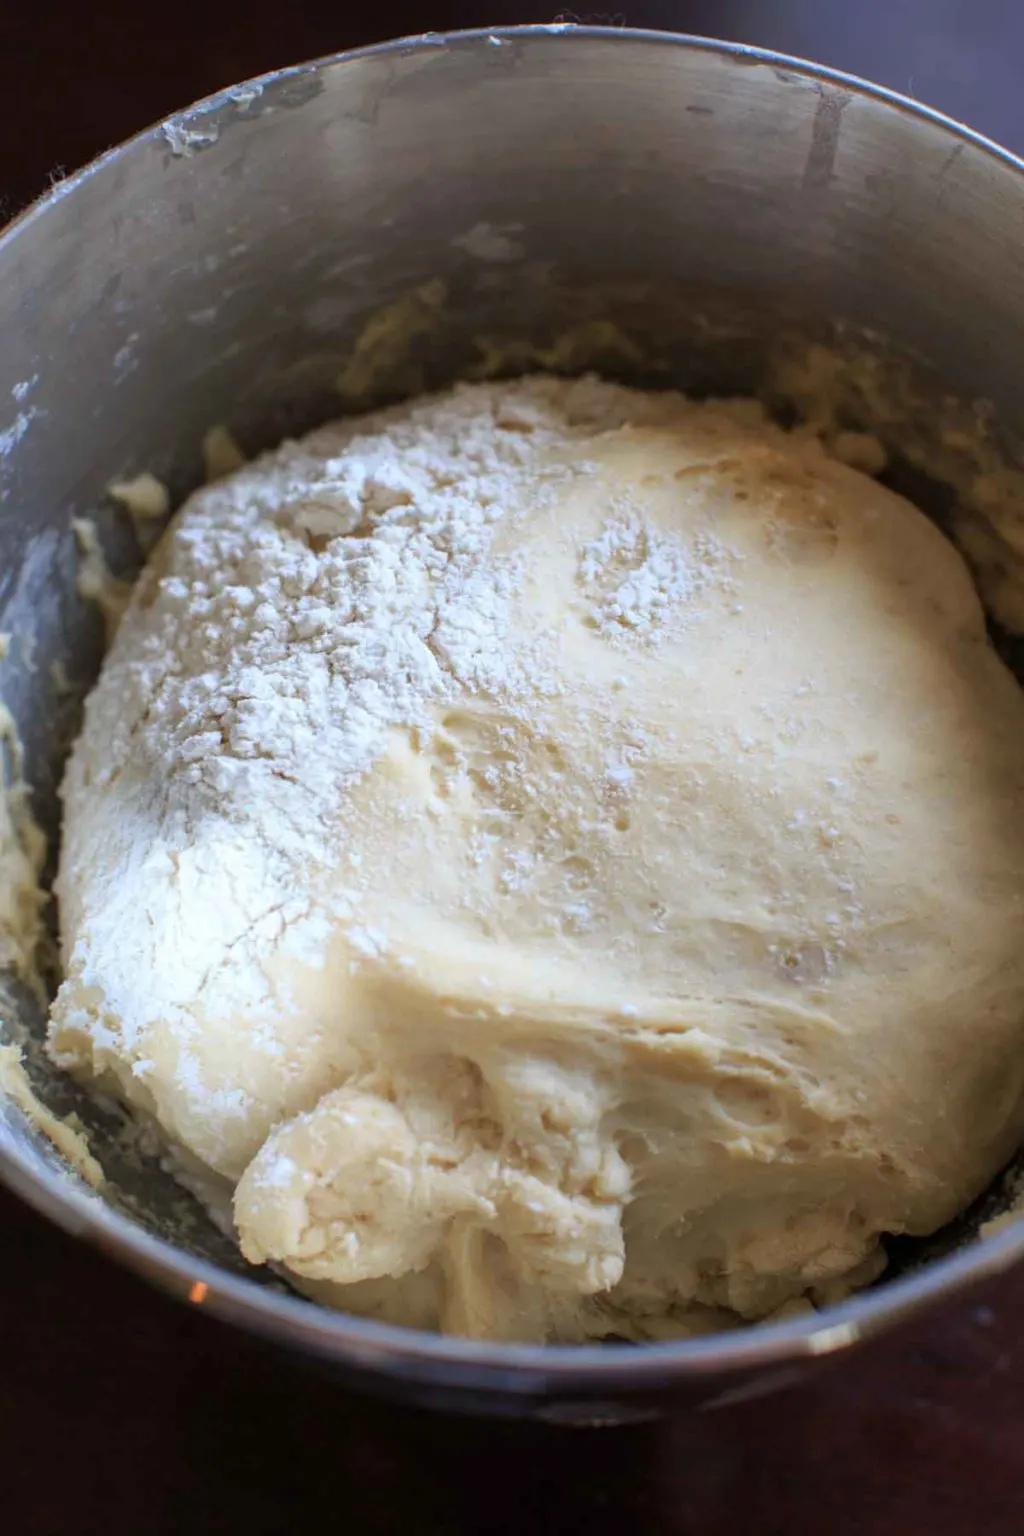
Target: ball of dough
point(556, 853)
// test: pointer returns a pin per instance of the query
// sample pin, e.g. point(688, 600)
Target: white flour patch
point(12, 436)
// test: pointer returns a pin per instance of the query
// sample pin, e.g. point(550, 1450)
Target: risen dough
point(559, 851)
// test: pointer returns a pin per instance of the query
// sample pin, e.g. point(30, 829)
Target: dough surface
point(557, 853)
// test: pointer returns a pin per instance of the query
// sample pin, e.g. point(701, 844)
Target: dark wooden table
point(124, 1415)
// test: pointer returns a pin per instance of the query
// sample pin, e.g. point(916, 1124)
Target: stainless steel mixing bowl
point(665, 208)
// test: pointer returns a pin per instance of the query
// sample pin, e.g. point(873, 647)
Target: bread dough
point(559, 852)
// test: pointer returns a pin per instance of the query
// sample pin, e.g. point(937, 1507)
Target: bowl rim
point(414, 1354)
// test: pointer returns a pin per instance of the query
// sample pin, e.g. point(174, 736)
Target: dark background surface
point(122, 1413)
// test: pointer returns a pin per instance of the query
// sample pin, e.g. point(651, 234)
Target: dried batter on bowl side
point(558, 853)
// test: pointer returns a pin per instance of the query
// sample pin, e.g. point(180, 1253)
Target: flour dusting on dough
point(493, 840)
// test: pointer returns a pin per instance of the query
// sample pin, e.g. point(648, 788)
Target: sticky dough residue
point(22, 852)
point(221, 454)
point(65, 1135)
point(953, 443)
point(96, 581)
point(147, 502)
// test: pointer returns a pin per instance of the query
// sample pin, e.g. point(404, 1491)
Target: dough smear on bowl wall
point(556, 854)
